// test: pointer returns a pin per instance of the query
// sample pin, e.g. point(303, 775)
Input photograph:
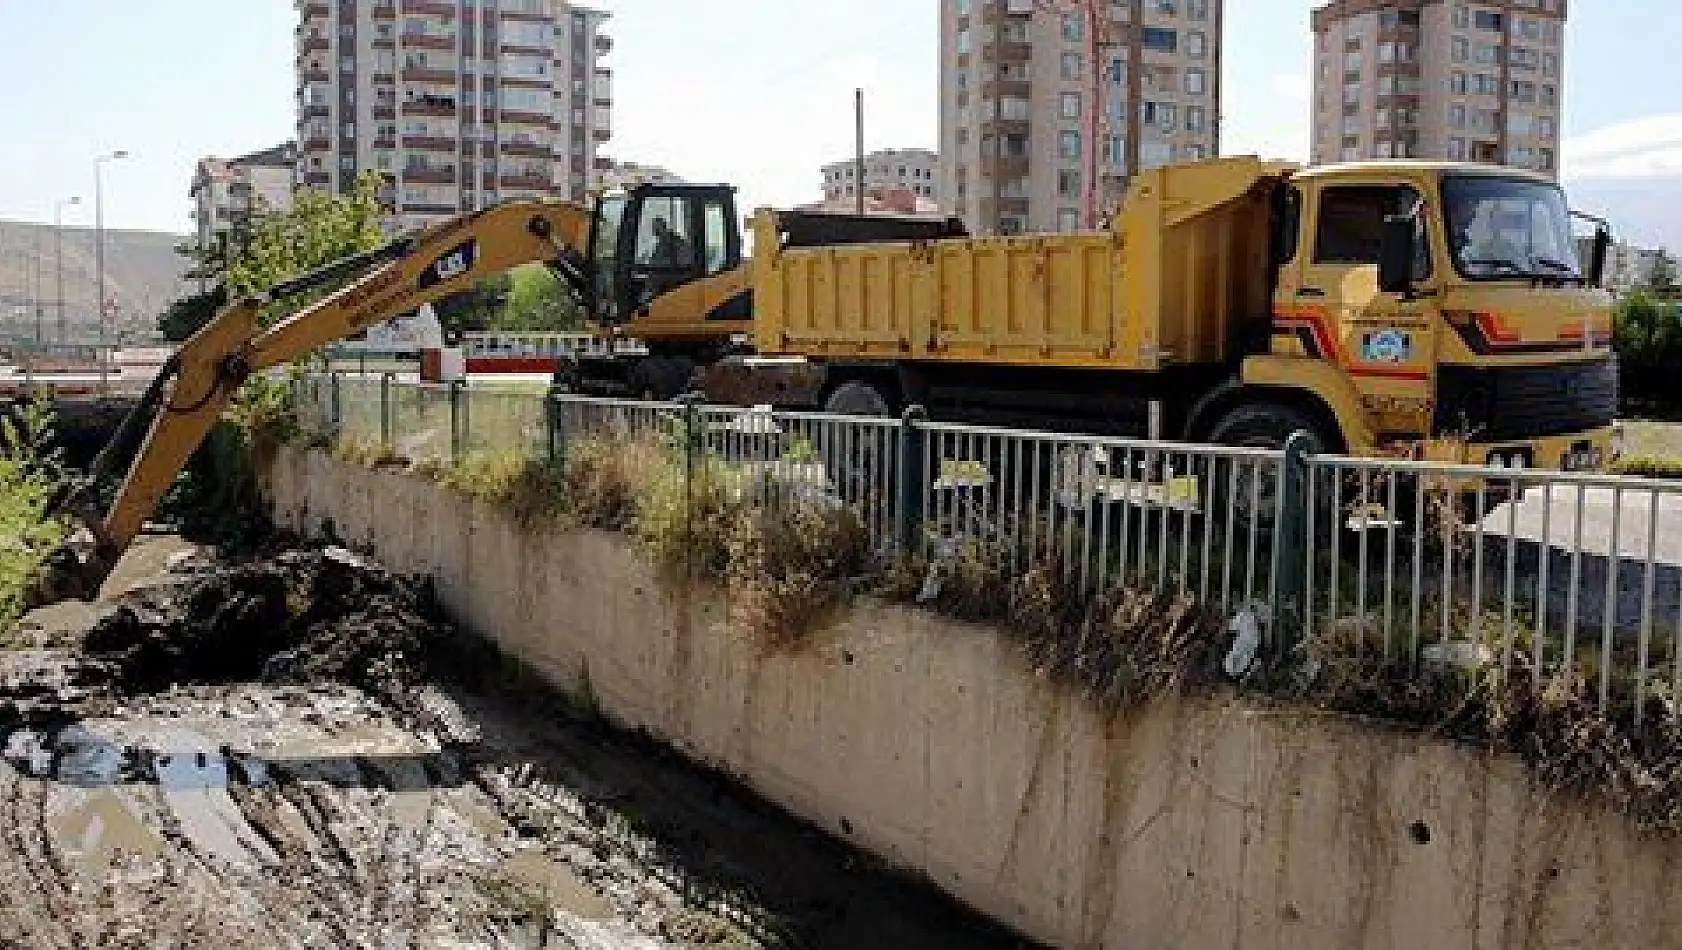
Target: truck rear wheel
point(859, 459)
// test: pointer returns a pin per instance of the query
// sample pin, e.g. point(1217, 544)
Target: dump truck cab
point(1441, 311)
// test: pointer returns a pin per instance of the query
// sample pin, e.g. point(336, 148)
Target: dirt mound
point(301, 616)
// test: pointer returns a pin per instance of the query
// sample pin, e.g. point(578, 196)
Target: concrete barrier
point(1219, 823)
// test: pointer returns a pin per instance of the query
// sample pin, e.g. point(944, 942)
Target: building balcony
point(428, 41)
point(314, 74)
point(319, 143)
point(602, 134)
point(433, 8)
point(526, 149)
point(1007, 52)
point(320, 111)
point(318, 178)
point(604, 44)
point(443, 77)
point(519, 50)
point(1005, 166)
point(443, 211)
point(1007, 126)
point(515, 16)
point(385, 112)
point(509, 117)
point(534, 182)
point(384, 12)
point(432, 106)
point(385, 142)
point(429, 175)
point(315, 44)
point(430, 143)
point(317, 10)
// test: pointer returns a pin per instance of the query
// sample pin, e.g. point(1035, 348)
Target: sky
point(755, 92)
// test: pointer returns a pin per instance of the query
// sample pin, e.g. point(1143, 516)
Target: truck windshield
point(1501, 228)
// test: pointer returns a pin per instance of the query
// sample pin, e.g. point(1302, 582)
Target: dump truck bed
point(1171, 282)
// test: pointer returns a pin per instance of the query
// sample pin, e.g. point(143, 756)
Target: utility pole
point(858, 117)
point(40, 287)
point(99, 259)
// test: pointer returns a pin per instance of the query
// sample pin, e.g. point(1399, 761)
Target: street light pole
point(58, 266)
point(99, 256)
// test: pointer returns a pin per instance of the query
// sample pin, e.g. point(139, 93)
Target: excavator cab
point(650, 240)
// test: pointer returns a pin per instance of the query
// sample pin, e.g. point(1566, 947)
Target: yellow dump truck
point(1427, 310)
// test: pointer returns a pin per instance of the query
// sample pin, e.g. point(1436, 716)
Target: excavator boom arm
point(186, 399)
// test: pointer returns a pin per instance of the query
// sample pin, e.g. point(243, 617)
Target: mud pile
point(296, 617)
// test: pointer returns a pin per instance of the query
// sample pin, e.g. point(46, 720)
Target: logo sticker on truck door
point(1389, 346)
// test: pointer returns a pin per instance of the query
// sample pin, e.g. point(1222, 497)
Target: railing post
point(335, 400)
point(457, 419)
point(1290, 539)
point(909, 478)
point(555, 413)
point(691, 405)
point(387, 438)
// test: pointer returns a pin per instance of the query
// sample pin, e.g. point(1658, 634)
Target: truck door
point(1385, 343)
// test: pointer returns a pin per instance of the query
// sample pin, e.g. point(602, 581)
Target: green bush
point(1649, 467)
point(1647, 334)
point(32, 473)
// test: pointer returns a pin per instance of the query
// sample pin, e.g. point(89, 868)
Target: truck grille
point(1509, 403)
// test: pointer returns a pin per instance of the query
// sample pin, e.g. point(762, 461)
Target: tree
point(475, 309)
point(539, 301)
point(318, 229)
point(1648, 338)
point(1662, 281)
point(188, 315)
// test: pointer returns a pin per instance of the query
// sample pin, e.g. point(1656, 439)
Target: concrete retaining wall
point(1211, 824)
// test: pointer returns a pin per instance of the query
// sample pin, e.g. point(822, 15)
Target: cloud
point(1643, 148)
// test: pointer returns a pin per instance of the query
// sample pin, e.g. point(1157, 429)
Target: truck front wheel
point(1251, 493)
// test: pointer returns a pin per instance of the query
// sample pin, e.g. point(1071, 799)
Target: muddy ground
point(299, 752)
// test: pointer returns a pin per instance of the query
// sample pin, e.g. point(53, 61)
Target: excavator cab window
point(666, 236)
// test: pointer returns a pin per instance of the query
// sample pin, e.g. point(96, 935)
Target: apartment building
point(226, 192)
point(916, 170)
point(1448, 80)
point(460, 104)
point(612, 173)
point(1016, 101)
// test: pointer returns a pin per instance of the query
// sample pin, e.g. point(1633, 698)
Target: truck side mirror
point(1395, 254)
point(1597, 263)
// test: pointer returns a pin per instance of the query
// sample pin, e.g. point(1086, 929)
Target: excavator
point(659, 263)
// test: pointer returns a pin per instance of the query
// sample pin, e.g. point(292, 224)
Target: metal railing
point(1464, 567)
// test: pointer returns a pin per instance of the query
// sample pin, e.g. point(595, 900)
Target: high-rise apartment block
point(917, 170)
point(461, 104)
point(1016, 93)
point(1439, 79)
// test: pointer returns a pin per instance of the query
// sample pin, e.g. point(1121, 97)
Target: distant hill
point(142, 273)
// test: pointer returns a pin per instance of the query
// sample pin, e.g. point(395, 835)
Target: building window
point(1160, 39)
point(1068, 145)
point(1069, 103)
point(1068, 220)
point(1071, 63)
point(1068, 183)
point(1072, 27)
point(1197, 9)
point(1197, 44)
point(1456, 150)
point(1194, 118)
point(1194, 82)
